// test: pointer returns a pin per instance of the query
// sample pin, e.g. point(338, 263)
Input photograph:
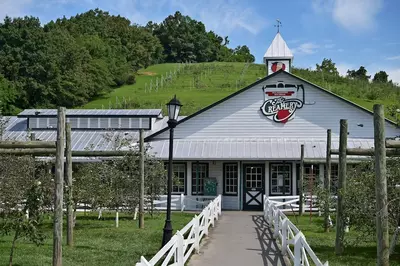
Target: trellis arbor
point(62, 149)
point(383, 148)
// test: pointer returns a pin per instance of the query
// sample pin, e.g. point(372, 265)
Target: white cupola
point(278, 56)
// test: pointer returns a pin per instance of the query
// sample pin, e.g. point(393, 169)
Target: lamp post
point(174, 107)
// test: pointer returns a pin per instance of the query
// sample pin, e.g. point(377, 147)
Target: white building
point(249, 141)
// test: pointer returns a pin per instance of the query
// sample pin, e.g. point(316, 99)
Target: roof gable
point(282, 74)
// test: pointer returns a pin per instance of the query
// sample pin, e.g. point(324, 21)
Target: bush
point(131, 79)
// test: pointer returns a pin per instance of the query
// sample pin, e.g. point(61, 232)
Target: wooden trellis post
point(157, 84)
point(68, 173)
point(339, 245)
point(327, 181)
point(301, 177)
point(141, 200)
point(59, 189)
point(382, 224)
point(162, 81)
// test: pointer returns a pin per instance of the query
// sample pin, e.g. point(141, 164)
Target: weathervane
point(278, 24)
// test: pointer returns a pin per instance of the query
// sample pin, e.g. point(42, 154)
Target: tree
point(360, 200)
point(327, 66)
point(24, 196)
point(381, 77)
point(242, 54)
point(360, 74)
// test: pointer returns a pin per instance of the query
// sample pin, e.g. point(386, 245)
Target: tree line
point(69, 61)
point(329, 67)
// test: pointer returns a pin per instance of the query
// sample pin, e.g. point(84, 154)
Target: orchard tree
point(360, 200)
point(327, 66)
point(25, 193)
point(360, 74)
point(381, 77)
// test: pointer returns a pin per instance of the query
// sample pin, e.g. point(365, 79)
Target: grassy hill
point(198, 85)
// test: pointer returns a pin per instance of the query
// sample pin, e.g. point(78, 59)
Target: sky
point(352, 33)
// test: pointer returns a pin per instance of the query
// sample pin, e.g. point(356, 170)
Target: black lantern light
point(174, 107)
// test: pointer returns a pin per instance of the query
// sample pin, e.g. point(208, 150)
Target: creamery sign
point(281, 101)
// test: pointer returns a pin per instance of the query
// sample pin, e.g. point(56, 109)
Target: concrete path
point(239, 238)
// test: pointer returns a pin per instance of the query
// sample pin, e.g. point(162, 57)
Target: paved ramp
point(239, 238)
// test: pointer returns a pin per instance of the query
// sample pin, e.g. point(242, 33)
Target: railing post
point(284, 236)
point(196, 234)
point(276, 223)
point(220, 204)
point(179, 250)
point(206, 222)
point(212, 210)
point(182, 202)
point(297, 249)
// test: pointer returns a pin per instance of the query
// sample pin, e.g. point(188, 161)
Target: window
point(178, 177)
point(199, 173)
point(230, 179)
point(281, 175)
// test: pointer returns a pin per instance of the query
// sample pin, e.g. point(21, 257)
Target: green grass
point(196, 86)
point(202, 84)
point(97, 242)
point(323, 244)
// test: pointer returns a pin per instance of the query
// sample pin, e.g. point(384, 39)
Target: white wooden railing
point(178, 250)
point(291, 203)
point(179, 203)
point(293, 242)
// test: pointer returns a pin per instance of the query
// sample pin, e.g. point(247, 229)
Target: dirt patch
point(147, 73)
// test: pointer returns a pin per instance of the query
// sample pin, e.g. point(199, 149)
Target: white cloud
point(343, 67)
point(329, 45)
point(340, 50)
point(223, 16)
point(394, 74)
point(12, 8)
point(397, 57)
point(306, 48)
point(293, 41)
point(353, 15)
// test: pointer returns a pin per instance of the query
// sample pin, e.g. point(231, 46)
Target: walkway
point(239, 238)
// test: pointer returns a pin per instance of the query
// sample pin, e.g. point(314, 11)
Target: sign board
point(210, 186)
point(281, 101)
point(274, 66)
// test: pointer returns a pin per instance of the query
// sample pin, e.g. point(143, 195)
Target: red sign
point(279, 93)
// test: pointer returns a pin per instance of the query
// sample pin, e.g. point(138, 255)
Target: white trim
point(189, 178)
point(267, 178)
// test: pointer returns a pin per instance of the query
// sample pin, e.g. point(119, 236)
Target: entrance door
point(253, 186)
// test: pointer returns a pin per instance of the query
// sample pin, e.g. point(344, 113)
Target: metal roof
point(278, 49)
point(16, 129)
point(92, 112)
point(248, 149)
point(193, 149)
